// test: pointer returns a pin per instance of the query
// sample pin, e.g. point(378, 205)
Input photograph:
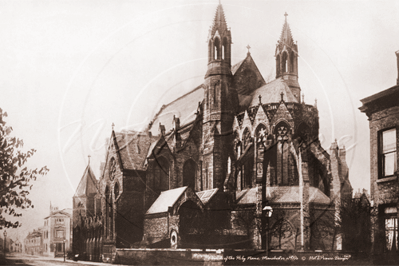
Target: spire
point(219, 22)
point(286, 36)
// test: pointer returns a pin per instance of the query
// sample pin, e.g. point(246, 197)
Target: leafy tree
point(15, 178)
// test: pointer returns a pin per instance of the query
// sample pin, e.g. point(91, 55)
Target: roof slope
point(87, 185)
point(133, 148)
point(165, 200)
point(206, 195)
point(271, 93)
point(282, 194)
point(183, 107)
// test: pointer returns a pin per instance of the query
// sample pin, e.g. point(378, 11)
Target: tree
point(15, 178)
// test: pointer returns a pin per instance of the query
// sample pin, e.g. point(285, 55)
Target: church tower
point(287, 60)
point(219, 106)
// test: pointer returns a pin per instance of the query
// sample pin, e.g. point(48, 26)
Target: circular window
point(173, 239)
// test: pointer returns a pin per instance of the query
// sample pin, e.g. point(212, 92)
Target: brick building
point(208, 163)
point(382, 110)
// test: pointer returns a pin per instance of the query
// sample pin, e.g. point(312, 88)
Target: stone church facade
point(210, 161)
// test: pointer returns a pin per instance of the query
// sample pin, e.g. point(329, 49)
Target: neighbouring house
point(382, 110)
point(56, 231)
point(209, 162)
point(16, 246)
point(34, 242)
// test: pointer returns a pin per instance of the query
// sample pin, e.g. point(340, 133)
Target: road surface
point(25, 259)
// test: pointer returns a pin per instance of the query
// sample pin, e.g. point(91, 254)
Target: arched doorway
point(189, 224)
point(189, 173)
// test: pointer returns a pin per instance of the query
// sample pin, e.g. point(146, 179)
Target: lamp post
point(64, 249)
point(268, 213)
point(5, 242)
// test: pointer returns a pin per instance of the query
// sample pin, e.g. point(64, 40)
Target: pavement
point(26, 259)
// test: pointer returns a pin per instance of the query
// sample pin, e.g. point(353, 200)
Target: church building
point(201, 179)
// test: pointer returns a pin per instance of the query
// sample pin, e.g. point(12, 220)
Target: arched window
point(261, 134)
point(109, 213)
point(206, 176)
point(112, 168)
point(210, 50)
point(189, 173)
point(282, 235)
point(216, 45)
point(278, 67)
point(303, 132)
point(282, 131)
point(248, 160)
point(246, 138)
point(116, 190)
point(292, 63)
point(224, 49)
point(284, 62)
point(161, 174)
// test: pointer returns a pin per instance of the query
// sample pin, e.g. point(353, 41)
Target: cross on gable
point(248, 47)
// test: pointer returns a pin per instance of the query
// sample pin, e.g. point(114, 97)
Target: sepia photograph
point(199, 132)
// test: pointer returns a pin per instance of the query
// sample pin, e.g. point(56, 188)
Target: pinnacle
point(286, 35)
point(219, 22)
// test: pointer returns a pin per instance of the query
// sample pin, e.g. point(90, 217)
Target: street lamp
point(64, 249)
point(268, 213)
point(5, 242)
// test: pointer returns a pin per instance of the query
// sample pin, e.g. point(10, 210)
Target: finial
point(303, 98)
point(89, 158)
point(260, 99)
point(315, 103)
point(285, 15)
point(220, 2)
point(248, 47)
point(282, 96)
point(113, 125)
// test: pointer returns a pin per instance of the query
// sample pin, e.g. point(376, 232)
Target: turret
point(287, 59)
point(220, 103)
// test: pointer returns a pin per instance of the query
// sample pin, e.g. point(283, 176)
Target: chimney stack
point(397, 59)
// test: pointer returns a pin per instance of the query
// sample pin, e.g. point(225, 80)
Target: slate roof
point(186, 106)
point(282, 194)
point(87, 185)
point(236, 67)
point(165, 200)
point(271, 93)
point(133, 148)
point(183, 107)
point(206, 195)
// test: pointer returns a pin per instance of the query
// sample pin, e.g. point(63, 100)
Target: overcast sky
point(69, 69)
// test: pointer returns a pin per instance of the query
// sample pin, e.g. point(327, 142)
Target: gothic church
point(202, 179)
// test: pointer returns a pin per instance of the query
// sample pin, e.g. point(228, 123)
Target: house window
point(60, 234)
point(391, 228)
point(387, 152)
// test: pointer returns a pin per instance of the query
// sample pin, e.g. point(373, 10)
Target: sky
point(70, 69)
